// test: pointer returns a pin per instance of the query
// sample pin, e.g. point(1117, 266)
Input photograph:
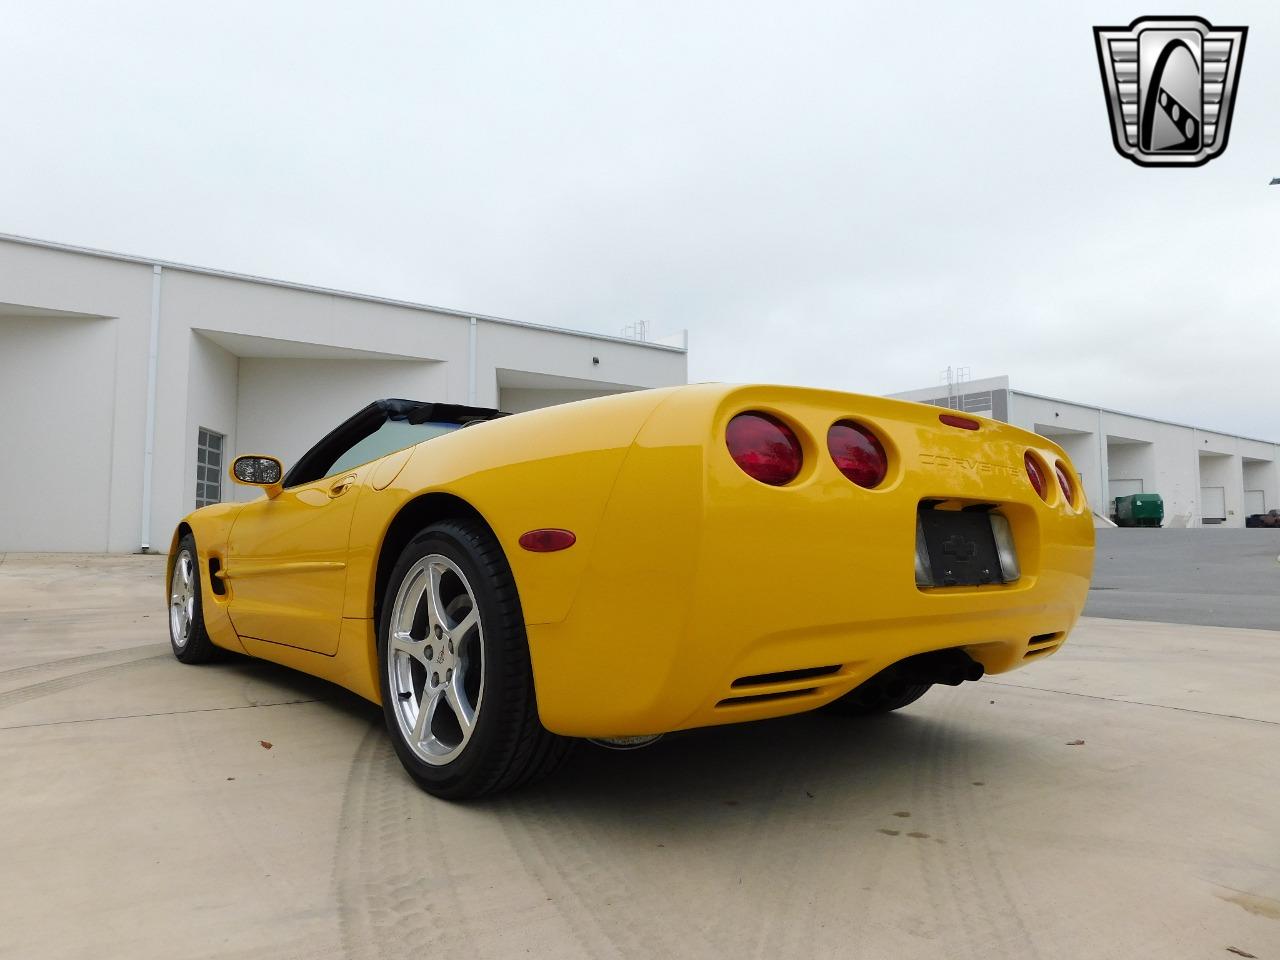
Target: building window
point(209, 467)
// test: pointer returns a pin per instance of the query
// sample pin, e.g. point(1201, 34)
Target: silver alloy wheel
point(182, 599)
point(435, 659)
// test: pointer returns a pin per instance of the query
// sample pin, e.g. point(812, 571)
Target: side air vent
point(1042, 643)
point(215, 581)
point(784, 676)
point(765, 697)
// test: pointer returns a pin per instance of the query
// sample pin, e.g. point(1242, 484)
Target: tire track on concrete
point(47, 666)
point(401, 853)
point(392, 865)
point(977, 871)
point(548, 877)
point(563, 856)
point(949, 817)
point(46, 688)
point(866, 856)
point(780, 922)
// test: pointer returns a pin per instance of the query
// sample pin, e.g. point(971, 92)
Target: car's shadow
point(858, 762)
point(771, 764)
point(292, 685)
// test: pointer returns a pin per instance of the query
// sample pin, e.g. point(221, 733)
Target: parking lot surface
point(1117, 800)
point(1220, 578)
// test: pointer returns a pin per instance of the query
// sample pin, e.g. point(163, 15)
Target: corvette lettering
point(967, 463)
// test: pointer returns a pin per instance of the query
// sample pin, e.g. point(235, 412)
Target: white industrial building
point(1204, 477)
point(127, 384)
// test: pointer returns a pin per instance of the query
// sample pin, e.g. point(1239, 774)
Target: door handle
point(341, 486)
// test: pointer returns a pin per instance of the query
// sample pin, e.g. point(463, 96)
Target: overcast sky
point(837, 194)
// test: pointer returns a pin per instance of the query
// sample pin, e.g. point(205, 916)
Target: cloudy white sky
point(840, 194)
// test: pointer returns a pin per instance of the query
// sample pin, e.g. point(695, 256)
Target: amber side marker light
point(964, 423)
point(548, 541)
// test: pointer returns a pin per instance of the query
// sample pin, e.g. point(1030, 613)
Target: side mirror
point(256, 470)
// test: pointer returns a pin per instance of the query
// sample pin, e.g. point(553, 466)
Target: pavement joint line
point(162, 713)
point(1136, 703)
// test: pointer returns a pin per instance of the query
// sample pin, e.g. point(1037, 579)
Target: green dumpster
point(1139, 510)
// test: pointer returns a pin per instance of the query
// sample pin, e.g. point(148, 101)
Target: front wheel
point(457, 684)
point(187, 635)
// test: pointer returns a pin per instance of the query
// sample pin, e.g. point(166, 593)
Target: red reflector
point(964, 423)
point(1064, 481)
point(858, 453)
point(764, 447)
point(548, 541)
point(1035, 475)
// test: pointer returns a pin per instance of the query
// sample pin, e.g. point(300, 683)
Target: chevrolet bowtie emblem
point(1170, 84)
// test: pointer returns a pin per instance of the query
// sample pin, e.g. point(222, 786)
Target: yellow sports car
point(619, 568)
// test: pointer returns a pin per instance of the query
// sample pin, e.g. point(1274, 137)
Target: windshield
point(393, 435)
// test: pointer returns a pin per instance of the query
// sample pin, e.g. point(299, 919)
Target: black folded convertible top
point(420, 411)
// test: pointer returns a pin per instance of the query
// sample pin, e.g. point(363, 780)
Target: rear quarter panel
point(547, 468)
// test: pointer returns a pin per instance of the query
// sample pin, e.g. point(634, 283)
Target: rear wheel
point(187, 635)
point(457, 684)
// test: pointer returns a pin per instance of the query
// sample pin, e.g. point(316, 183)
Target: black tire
point(193, 646)
point(508, 746)
point(878, 695)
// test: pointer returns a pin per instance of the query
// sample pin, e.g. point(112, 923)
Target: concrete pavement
point(144, 817)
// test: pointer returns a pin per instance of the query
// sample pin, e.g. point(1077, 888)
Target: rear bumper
point(710, 598)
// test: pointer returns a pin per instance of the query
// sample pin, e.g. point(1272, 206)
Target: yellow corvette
point(620, 568)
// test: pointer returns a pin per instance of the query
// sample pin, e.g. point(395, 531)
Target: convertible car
point(620, 568)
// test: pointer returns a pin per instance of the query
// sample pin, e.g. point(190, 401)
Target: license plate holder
point(957, 548)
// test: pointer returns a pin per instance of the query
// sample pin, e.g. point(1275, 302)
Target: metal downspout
point(149, 449)
point(471, 365)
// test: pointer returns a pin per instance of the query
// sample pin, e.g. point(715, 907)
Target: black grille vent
point(808, 673)
point(764, 697)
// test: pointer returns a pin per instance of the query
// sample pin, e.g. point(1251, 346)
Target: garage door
point(1213, 503)
point(1255, 501)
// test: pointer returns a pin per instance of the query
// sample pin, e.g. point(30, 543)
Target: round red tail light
point(1064, 481)
point(1036, 476)
point(764, 447)
point(858, 453)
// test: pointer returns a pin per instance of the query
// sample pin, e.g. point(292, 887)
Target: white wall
point(1167, 456)
point(212, 403)
point(55, 450)
point(291, 315)
point(519, 399)
point(511, 348)
point(287, 405)
point(79, 283)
